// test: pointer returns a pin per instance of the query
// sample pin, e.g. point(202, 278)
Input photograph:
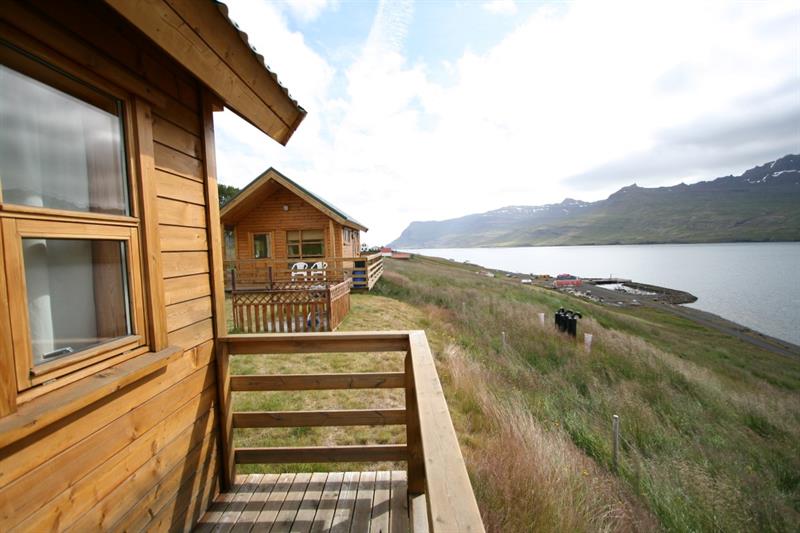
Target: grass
point(710, 425)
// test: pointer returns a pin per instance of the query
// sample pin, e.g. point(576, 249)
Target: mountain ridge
point(761, 204)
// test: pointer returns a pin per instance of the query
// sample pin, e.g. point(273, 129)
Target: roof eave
point(200, 36)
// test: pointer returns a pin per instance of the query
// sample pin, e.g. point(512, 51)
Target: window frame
point(302, 257)
point(269, 245)
point(21, 221)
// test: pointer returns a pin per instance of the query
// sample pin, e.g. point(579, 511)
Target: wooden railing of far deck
point(440, 493)
point(364, 271)
point(291, 307)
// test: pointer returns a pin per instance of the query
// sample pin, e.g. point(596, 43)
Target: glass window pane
point(260, 246)
point(77, 294)
point(293, 250)
point(230, 245)
point(312, 249)
point(58, 151)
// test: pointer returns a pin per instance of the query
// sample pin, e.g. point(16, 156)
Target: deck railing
point(294, 306)
point(364, 271)
point(440, 493)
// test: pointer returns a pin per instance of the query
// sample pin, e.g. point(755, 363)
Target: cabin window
point(230, 244)
point(305, 244)
point(261, 246)
point(63, 276)
point(70, 235)
point(346, 235)
point(58, 151)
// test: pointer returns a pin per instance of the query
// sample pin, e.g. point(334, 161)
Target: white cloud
point(308, 10)
point(567, 91)
point(502, 7)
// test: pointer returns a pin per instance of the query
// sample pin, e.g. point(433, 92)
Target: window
point(261, 246)
point(230, 244)
point(346, 235)
point(305, 244)
point(70, 238)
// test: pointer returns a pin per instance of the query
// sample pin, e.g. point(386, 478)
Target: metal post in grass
point(505, 342)
point(615, 441)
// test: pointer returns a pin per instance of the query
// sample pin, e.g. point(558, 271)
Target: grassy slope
point(710, 425)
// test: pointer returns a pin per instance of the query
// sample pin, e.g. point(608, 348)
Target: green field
point(710, 425)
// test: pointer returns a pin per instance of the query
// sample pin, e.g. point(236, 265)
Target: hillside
point(763, 204)
point(710, 425)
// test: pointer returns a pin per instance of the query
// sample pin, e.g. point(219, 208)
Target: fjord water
point(754, 284)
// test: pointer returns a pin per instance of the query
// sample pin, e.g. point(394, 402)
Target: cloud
point(309, 10)
point(500, 7)
point(574, 101)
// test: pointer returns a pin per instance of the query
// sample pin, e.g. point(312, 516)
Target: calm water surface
point(754, 284)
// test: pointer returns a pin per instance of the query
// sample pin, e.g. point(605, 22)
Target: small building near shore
point(567, 280)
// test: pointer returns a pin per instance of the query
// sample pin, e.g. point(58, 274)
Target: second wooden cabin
point(275, 231)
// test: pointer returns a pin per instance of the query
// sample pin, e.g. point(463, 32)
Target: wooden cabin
point(275, 224)
point(115, 389)
point(273, 217)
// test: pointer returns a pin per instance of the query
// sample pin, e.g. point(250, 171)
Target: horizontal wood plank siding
point(145, 457)
point(270, 217)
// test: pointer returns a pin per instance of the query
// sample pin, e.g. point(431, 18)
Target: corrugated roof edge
point(223, 8)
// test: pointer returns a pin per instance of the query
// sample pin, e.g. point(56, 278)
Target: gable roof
point(255, 191)
point(200, 36)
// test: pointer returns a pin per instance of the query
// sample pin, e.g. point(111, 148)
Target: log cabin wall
point(145, 456)
point(270, 217)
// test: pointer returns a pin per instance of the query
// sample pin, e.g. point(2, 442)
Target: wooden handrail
point(436, 466)
point(363, 270)
point(451, 502)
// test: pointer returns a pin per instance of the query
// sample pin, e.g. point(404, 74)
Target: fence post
point(329, 310)
point(505, 341)
point(416, 460)
point(615, 442)
point(233, 279)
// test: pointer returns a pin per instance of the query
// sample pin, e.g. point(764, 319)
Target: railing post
point(233, 279)
point(416, 459)
point(226, 415)
point(329, 307)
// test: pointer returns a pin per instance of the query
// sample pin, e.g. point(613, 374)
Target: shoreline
point(654, 243)
point(662, 302)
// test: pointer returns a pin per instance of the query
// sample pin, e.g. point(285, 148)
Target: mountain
point(763, 204)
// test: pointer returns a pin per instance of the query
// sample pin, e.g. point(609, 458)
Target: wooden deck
point(336, 501)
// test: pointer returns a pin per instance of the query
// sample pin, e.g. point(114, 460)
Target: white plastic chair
point(299, 270)
point(319, 270)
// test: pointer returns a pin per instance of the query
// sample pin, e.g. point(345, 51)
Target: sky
point(428, 110)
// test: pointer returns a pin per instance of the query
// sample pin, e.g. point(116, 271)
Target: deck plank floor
point(350, 502)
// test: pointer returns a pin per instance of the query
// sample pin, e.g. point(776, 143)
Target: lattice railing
point(291, 307)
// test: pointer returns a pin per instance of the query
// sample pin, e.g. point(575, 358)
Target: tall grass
point(710, 425)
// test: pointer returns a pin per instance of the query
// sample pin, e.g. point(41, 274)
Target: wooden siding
point(269, 217)
point(146, 456)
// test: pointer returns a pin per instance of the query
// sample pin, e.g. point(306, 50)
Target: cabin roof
point(200, 35)
point(263, 186)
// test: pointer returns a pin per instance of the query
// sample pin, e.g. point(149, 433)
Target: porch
point(363, 271)
point(424, 488)
point(322, 501)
